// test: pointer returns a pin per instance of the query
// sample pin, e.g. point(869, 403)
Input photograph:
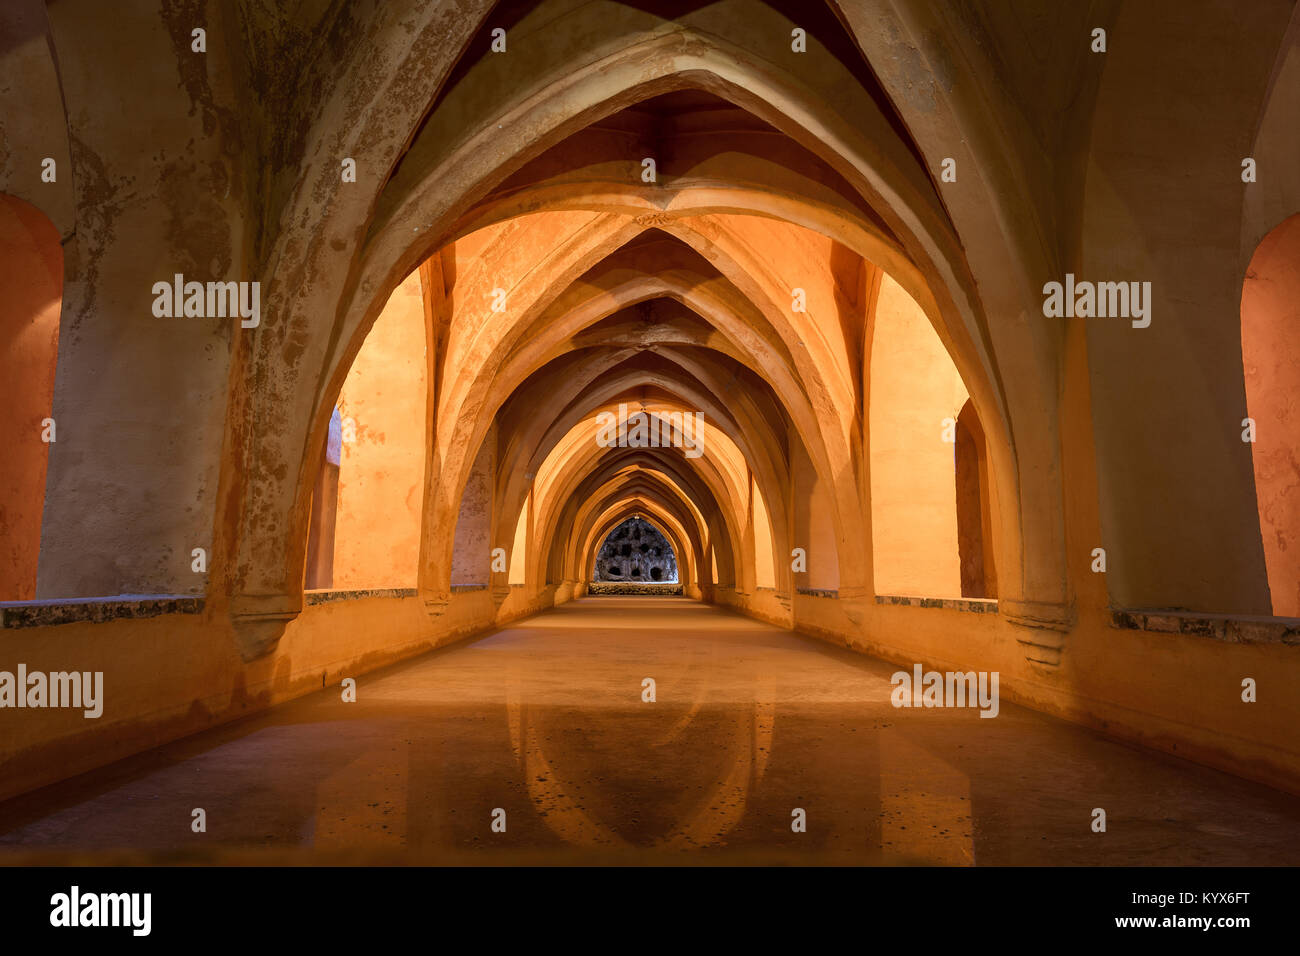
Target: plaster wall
point(381, 475)
point(914, 388)
point(1163, 204)
point(763, 603)
point(471, 560)
point(814, 528)
point(141, 401)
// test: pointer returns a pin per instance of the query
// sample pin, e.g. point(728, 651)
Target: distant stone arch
point(635, 551)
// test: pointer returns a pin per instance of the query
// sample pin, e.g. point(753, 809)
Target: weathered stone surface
point(94, 610)
point(635, 553)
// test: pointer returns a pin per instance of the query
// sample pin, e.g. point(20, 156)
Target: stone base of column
point(260, 621)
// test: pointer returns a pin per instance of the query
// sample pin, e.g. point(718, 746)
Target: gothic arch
point(441, 175)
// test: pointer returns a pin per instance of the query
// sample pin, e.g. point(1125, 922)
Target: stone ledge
point(95, 610)
point(459, 588)
point(1230, 628)
point(632, 587)
point(818, 592)
point(1038, 616)
point(974, 605)
point(329, 596)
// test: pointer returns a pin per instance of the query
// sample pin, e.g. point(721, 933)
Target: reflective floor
point(535, 745)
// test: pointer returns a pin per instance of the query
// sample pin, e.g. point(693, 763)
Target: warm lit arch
point(440, 174)
point(1270, 320)
point(31, 274)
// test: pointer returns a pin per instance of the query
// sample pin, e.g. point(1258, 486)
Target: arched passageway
point(742, 299)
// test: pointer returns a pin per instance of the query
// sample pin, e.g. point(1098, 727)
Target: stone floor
point(545, 720)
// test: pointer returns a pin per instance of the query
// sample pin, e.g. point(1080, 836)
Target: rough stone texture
point(978, 606)
point(94, 610)
point(612, 587)
point(1258, 630)
point(635, 552)
point(325, 597)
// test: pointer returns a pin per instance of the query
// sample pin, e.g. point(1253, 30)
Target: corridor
point(545, 720)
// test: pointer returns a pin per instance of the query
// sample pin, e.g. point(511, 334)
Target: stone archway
point(412, 208)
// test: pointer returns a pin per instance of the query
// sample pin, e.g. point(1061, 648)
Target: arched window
point(365, 525)
point(916, 398)
point(764, 567)
point(519, 551)
point(979, 577)
point(324, 511)
point(31, 275)
point(1270, 321)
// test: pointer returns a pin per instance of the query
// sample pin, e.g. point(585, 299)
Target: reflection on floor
point(546, 721)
